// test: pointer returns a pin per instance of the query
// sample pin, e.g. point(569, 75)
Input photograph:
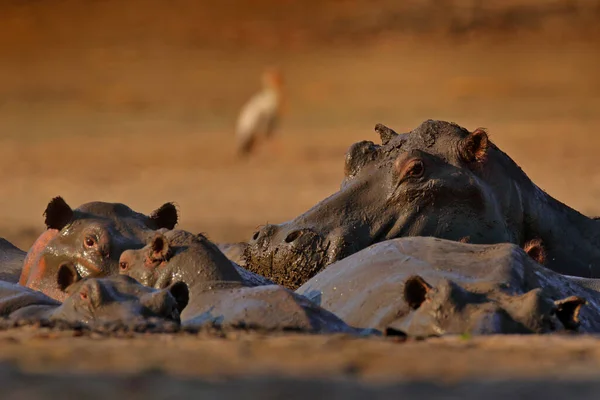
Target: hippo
point(234, 251)
point(91, 301)
point(426, 286)
point(219, 293)
point(173, 254)
point(439, 180)
point(11, 261)
point(89, 241)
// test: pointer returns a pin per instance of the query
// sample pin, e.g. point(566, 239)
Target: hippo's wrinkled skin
point(115, 299)
point(178, 255)
point(11, 261)
point(425, 286)
point(220, 292)
point(438, 180)
point(87, 241)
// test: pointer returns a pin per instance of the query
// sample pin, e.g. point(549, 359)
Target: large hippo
point(91, 301)
point(11, 261)
point(219, 294)
point(438, 180)
point(424, 286)
point(88, 241)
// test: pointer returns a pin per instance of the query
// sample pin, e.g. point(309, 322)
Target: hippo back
point(265, 307)
point(18, 301)
point(366, 289)
point(11, 261)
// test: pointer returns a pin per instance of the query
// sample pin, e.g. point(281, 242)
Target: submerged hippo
point(438, 180)
point(219, 291)
point(116, 299)
point(88, 240)
point(425, 286)
point(11, 261)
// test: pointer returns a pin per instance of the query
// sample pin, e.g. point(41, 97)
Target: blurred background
point(136, 101)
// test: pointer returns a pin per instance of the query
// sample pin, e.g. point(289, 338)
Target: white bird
point(261, 114)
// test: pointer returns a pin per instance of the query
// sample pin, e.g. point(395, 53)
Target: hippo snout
point(287, 255)
point(274, 235)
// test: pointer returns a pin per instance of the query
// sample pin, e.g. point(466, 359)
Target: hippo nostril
point(293, 236)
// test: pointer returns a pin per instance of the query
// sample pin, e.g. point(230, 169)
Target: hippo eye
point(89, 241)
point(123, 265)
point(416, 169)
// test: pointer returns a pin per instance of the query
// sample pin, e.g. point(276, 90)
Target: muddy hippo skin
point(424, 286)
point(438, 180)
point(11, 261)
point(222, 293)
point(88, 240)
point(271, 307)
point(234, 251)
point(116, 299)
point(173, 255)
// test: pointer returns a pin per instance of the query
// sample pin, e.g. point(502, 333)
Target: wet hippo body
point(221, 293)
point(438, 180)
point(428, 286)
point(17, 300)
point(11, 261)
point(271, 307)
point(234, 251)
point(88, 240)
point(116, 299)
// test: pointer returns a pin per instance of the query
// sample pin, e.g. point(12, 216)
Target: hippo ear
point(415, 291)
point(181, 293)
point(159, 248)
point(67, 275)
point(474, 148)
point(535, 249)
point(58, 214)
point(386, 134)
point(165, 216)
point(567, 311)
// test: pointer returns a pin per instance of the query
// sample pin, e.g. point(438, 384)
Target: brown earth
point(135, 102)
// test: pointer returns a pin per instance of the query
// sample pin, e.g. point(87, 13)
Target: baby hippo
point(220, 292)
point(115, 299)
point(176, 255)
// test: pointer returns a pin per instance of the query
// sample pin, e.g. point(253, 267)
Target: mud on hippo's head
point(421, 183)
point(87, 242)
point(449, 308)
point(120, 299)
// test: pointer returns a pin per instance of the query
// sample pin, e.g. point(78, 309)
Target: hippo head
point(450, 309)
point(177, 256)
point(120, 299)
point(421, 183)
point(87, 241)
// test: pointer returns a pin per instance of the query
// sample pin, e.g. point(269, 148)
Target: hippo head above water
point(87, 242)
point(422, 183)
point(450, 309)
point(178, 255)
point(120, 299)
